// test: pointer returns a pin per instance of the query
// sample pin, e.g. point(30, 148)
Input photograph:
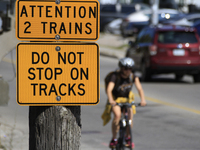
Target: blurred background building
point(184, 5)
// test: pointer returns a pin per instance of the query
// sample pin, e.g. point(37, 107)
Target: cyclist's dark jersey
point(122, 85)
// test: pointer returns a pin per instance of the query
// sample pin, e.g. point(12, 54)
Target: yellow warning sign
point(57, 74)
point(76, 20)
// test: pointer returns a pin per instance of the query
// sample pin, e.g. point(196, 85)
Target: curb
point(111, 52)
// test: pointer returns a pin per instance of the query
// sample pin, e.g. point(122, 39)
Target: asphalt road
point(170, 121)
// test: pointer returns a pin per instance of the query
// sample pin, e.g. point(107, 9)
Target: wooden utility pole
point(54, 128)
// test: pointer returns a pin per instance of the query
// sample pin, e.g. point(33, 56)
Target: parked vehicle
point(135, 22)
point(114, 26)
point(167, 49)
point(1, 28)
point(186, 20)
point(110, 12)
point(197, 26)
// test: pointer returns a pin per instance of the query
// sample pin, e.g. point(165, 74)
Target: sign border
point(53, 39)
point(53, 104)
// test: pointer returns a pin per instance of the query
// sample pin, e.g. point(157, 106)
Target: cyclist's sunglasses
point(127, 68)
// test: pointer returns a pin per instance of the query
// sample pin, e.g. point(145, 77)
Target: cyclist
point(120, 86)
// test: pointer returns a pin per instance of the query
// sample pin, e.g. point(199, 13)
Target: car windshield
point(176, 37)
point(127, 9)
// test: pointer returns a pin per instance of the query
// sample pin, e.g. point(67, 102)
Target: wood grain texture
point(54, 128)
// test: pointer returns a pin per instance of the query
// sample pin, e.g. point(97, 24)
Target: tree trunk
point(54, 128)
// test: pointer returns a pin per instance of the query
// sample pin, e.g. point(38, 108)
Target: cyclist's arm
point(140, 91)
point(109, 93)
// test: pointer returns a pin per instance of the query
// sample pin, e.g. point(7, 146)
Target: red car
point(167, 49)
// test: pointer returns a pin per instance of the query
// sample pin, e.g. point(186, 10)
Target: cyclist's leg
point(115, 124)
point(128, 130)
point(130, 117)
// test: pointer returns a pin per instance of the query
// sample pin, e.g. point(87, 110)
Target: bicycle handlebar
point(129, 104)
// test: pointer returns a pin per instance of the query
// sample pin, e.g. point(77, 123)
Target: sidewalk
point(113, 45)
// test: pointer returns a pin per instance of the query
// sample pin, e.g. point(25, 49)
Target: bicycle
point(124, 124)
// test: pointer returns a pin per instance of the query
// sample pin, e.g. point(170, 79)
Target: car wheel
point(179, 77)
point(196, 78)
point(146, 74)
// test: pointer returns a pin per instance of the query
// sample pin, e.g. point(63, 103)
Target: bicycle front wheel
point(121, 140)
point(131, 138)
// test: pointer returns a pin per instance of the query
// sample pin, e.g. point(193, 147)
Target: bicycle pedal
point(112, 147)
point(127, 145)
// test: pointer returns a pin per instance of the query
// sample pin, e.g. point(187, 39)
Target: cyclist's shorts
point(127, 100)
point(106, 116)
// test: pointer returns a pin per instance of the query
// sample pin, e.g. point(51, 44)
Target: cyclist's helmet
point(126, 62)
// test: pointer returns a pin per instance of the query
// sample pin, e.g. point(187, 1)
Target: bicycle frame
point(124, 123)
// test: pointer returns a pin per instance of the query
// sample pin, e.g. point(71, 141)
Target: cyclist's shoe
point(113, 143)
point(128, 142)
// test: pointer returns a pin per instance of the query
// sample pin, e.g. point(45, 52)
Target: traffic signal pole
point(154, 16)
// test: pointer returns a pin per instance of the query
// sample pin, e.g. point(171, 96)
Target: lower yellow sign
point(57, 74)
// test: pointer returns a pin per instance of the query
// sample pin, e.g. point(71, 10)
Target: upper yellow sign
point(49, 20)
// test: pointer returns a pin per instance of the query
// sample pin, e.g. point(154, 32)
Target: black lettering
point(47, 11)
point(32, 6)
point(84, 12)
point(58, 11)
point(43, 87)
point(74, 11)
point(67, 10)
point(80, 56)
point(34, 85)
point(70, 28)
point(86, 25)
point(33, 58)
point(78, 28)
point(62, 28)
point(57, 72)
point(51, 73)
point(29, 25)
point(79, 87)
point(71, 89)
point(47, 58)
point(92, 12)
point(69, 60)
point(63, 84)
point(53, 26)
point(53, 89)
point(60, 56)
point(74, 77)
point(39, 72)
point(83, 73)
point(24, 11)
point(29, 71)
point(44, 26)
point(40, 10)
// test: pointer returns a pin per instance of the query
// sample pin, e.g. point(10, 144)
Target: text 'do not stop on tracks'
point(57, 73)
